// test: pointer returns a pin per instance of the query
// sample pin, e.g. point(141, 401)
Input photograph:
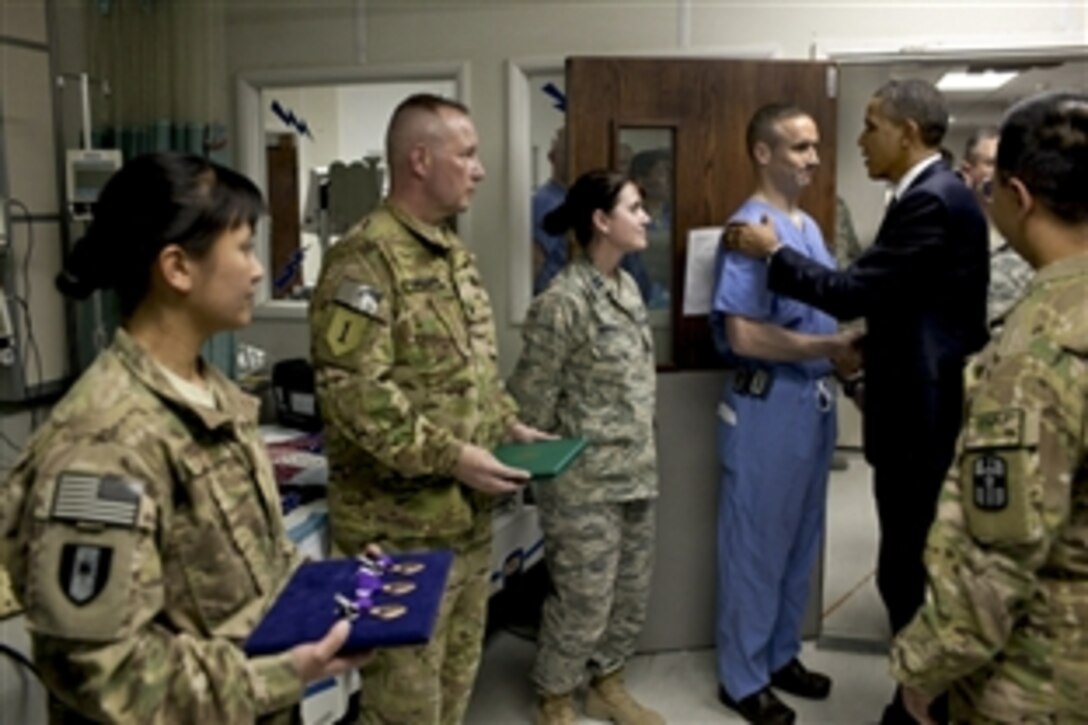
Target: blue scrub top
point(740, 287)
point(554, 246)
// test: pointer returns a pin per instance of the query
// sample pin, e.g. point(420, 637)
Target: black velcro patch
point(84, 571)
point(989, 475)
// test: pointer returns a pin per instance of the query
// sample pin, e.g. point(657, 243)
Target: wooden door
point(704, 107)
point(281, 160)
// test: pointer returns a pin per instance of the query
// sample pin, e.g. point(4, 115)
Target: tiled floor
point(682, 685)
point(852, 607)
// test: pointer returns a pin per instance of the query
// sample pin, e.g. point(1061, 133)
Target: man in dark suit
point(921, 287)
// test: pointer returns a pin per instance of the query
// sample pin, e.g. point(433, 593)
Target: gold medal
point(388, 611)
point(399, 588)
point(407, 568)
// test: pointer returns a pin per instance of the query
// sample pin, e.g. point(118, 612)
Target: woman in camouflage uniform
point(142, 524)
point(587, 369)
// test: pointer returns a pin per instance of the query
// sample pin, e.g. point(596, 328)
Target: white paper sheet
point(699, 275)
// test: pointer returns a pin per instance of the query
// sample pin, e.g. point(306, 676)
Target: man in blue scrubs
point(776, 434)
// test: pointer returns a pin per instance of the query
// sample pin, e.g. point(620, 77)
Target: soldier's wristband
point(850, 385)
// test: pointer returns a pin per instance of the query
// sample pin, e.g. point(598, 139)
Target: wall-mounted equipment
point(339, 196)
point(87, 171)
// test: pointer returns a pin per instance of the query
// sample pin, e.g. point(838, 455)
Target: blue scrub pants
point(774, 455)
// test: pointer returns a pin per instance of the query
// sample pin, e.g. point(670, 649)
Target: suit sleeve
point(1006, 500)
point(94, 596)
point(910, 252)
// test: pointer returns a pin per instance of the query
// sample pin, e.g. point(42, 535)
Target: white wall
point(319, 107)
point(28, 173)
point(545, 119)
point(346, 123)
point(864, 197)
point(27, 155)
point(486, 34)
point(365, 111)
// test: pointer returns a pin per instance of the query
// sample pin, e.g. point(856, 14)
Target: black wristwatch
point(850, 385)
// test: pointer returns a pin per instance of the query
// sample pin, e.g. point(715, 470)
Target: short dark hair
point(1044, 144)
point(594, 190)
point(980, 135)
point(427, 102)
point(918, 101)
point(761, 127)
point(154, 201)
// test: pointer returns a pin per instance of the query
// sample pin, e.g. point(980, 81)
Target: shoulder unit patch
point(84, 571)
point(989, 477)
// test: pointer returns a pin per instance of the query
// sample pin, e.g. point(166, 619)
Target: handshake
point(846, 357)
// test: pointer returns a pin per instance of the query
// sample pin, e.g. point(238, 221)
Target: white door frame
point(249, 132)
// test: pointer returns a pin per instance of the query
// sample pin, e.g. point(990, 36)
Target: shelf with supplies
point(302, 473)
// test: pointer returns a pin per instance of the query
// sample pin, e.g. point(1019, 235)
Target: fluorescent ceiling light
point(987, 80)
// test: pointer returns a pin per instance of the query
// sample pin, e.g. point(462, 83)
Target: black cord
point(31, 347)
point(21, 659)
point(10, 443)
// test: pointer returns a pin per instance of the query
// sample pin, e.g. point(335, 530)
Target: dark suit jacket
point(922, 288)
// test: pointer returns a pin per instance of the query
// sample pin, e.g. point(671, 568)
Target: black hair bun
point(71, 285)
point(557, 221)
point(85, 270)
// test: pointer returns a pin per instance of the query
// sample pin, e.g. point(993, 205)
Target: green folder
point(542, 459)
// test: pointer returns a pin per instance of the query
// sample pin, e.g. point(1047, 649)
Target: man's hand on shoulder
point(753, 240)
point(478, 469)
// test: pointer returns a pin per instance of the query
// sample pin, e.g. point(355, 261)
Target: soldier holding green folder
point(587, 370)
point(403, 342)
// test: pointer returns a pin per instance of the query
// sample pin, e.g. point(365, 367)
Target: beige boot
point(608, 699)
point(555, 710)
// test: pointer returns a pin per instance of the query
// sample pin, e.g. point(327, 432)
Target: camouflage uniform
point(144, 539)
point(1005, 623)
point(405, 356)
point(588, 370)
point(1009, 277)
point(847, 245)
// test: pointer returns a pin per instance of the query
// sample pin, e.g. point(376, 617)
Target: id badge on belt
point(753, 382)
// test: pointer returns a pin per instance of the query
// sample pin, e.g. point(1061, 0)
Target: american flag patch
point(84, 497)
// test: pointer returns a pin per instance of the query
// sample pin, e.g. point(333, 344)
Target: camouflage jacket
point(847, 245)
point(403, 345)
point(1005, 622)
point(1009, 277)
point(587, 369)
point(144, 539)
